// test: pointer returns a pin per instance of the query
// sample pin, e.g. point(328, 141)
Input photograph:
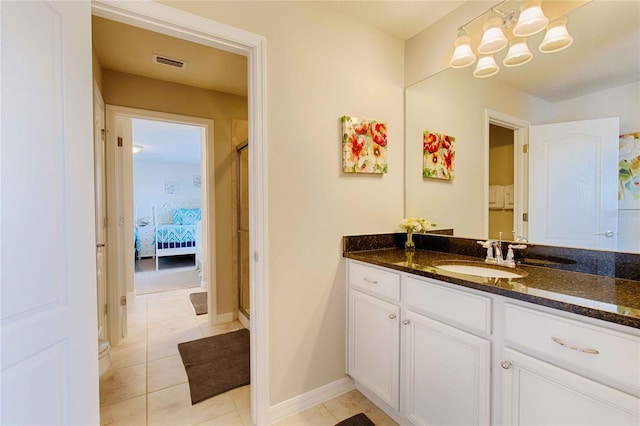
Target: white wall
point(149, 185)
point(321, 65)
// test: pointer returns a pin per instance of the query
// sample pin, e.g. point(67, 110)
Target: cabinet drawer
point(458, 307)
point(374, 280)
point(598, 350)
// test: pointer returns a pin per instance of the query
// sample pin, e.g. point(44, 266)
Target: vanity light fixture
point(518, 54)
point(493, 39)
point(486, 67)
point(531, 20)
point(557, 37)
point(528, 20)
point(463, 56)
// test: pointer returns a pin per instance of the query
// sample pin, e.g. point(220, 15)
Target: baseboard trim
point(244, 320)
point(309, 399)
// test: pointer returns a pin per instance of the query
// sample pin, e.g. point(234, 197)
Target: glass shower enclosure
point(243, 227)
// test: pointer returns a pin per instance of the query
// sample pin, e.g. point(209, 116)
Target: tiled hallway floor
point(147, 383)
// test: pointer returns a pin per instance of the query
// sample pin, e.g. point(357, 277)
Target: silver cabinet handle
point(369, 280)
point(608, 233)
point(406, 322)
point(506, 365)
point(575, 348)
point(392, 316)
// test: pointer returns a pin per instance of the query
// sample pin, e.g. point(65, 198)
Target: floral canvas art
point(438, 155)
point(364, 145)
point(629, 171)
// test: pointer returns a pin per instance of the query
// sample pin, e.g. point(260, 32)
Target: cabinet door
point(447, 374)
point(374, 345)
point(537, 393)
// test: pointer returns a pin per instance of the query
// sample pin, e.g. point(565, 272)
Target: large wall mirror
point(584, 93)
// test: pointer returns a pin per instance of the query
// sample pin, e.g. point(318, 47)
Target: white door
point(48, 271)
point(99, 139)
point(447, 374)
point(537, 393)
point(374, 345)
point(573, 186)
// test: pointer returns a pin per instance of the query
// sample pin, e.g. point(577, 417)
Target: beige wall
point(144, 93)
point(321, 65)
point(454, 103)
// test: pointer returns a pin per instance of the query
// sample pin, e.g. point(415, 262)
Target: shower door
point(243, 228)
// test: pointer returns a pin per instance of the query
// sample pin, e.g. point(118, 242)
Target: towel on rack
point(508, 197)
point(496, 197)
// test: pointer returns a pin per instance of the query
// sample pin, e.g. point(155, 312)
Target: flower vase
point(409, 244)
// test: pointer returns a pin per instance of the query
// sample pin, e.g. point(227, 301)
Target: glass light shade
point(463, 56)
point(518, 54)
point(486, 67)
point(136, 149)
point(531, 20)
point(493, 39)
point(557, 37)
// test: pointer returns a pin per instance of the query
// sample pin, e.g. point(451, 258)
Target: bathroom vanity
point(431, 346)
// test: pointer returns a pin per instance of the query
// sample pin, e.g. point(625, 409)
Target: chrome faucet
point(497, 249)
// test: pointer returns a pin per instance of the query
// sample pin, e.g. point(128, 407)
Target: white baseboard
point(246, 323)
point(309, 399)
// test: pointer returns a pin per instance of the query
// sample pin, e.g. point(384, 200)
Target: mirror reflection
point(537, 147)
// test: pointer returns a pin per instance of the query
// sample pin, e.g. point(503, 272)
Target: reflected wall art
point(438, 155)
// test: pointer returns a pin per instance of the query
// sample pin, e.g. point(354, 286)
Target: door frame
point(124, 180)
point(176, 23)
point(520, 129)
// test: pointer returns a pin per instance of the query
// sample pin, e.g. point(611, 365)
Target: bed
point(175, 229)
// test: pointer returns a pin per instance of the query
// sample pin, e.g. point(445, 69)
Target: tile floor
point(147, 384)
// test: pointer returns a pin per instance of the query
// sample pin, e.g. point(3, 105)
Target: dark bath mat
point(216, 364)
point(199, 302)
point(357, 420)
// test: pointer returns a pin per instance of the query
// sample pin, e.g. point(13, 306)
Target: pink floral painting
point(438, 155)
point(364, 145)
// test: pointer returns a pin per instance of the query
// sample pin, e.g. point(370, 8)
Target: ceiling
point(164, 142)
point(605, 52)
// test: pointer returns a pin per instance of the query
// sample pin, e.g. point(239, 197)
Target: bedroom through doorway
point(167, 197)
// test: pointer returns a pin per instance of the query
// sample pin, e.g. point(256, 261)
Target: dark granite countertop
point(607, 298)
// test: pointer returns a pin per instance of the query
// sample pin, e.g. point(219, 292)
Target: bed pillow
point(186, 216)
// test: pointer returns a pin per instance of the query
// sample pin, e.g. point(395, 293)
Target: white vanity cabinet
point(374, 342)
point(535, 392)
point(444, 377)
point(373, 330)
point(558, 371)
point(430, 352)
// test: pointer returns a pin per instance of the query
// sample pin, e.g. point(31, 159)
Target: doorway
point(167, 197)
point(165, 20)
point(507, 168)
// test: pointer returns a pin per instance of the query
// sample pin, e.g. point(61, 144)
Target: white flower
point(629, 148)
point(415, 224)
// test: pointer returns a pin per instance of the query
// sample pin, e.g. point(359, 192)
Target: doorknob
point(608, 233)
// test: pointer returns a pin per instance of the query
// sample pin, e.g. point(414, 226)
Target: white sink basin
point(479, 269)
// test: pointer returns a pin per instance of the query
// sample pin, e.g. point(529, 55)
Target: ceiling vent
point(175, 63)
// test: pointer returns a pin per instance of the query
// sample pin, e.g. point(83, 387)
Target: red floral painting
point(438, 155)
point(364, 145)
